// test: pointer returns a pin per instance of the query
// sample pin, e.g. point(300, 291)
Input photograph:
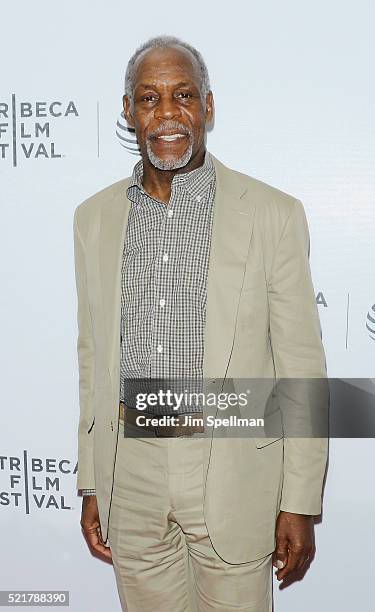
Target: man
point(190, 269)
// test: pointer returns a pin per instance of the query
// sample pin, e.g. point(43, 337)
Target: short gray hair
point(166, 42)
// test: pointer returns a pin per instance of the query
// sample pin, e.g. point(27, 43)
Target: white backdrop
point(294, 98)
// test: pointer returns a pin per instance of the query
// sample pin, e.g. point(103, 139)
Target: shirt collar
point(197, 181)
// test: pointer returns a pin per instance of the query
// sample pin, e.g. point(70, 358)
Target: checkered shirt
point(164, 286)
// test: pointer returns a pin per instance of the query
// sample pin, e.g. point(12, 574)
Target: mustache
point(168, 126)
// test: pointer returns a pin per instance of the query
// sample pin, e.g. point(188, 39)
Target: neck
point(157, 183)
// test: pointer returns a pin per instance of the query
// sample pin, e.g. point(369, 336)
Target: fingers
point(298, 557)
point(290, 566)
point(95, 542)
point(90, 525)
point(295, 543)
point(280, 555)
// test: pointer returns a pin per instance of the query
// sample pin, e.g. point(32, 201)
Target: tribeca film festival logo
point(35, 483)
point(26, 128)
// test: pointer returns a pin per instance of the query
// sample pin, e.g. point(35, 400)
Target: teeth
point(169, 137)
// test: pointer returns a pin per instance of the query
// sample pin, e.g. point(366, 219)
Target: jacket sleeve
point(299, 361)
point(86, 366)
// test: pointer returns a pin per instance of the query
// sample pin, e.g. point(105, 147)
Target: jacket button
point(112, 425)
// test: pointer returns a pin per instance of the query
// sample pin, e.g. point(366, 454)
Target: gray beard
point(169, 164)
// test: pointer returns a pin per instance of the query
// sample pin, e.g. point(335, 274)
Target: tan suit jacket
point(261, 321)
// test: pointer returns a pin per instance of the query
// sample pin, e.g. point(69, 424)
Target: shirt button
point(170, 213)
point(165, 257)
point(159, 348)
point(162, 302)
point(198, 198)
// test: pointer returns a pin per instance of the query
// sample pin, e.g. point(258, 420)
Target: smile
point(170, 137)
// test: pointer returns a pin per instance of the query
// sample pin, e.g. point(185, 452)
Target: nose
point(167, 108)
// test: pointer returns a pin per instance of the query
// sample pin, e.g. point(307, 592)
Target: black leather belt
point(173, 426)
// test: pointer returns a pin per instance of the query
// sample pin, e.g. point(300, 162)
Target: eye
point(184, 94)
point(148, 98)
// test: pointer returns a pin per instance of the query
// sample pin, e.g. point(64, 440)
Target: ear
point(210, 108)
point(127, 110)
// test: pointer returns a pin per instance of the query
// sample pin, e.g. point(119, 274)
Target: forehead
point(165, 64)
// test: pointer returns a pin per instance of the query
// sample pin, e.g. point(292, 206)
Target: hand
point(295, 543)
point(91, 527)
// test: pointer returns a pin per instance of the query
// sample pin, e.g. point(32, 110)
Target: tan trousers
point(162, 554)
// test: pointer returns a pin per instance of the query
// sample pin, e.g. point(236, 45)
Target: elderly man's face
point(168, 114)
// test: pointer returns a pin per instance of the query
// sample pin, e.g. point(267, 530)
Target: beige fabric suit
point(261, 322)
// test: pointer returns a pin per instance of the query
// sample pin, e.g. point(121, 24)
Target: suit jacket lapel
point(231, 233)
